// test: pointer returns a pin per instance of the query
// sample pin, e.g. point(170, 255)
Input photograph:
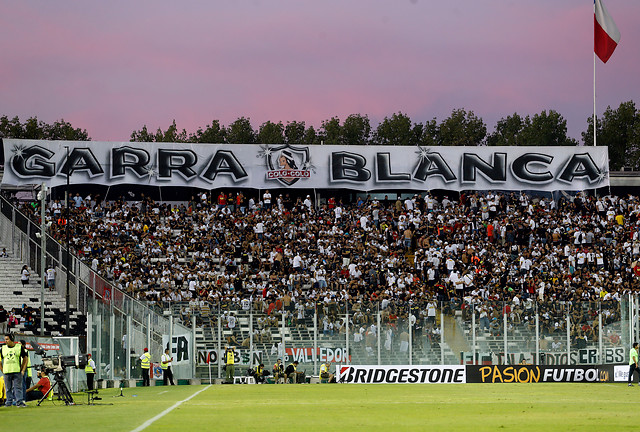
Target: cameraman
point(260, 374)
point(291, 373)
point(13, 365)
point(39, 389)
point(325, 373)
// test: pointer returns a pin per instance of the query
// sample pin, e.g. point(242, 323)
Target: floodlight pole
point(43, 257)
point(68, 258)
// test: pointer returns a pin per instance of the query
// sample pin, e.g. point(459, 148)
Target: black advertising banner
point(536, 373)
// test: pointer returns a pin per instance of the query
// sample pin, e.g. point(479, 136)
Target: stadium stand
point(498, 254)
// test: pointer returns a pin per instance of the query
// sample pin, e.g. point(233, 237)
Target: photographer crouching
point(259, 373)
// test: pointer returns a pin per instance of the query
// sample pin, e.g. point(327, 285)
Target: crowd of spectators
point(504, 253)
point(25, 317)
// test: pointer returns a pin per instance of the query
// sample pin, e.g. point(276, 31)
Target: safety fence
point(118, 326)
point(455, 332)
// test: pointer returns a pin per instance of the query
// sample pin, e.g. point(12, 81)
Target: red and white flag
point(606, 33)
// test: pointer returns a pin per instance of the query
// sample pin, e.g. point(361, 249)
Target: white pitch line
point(167, 411)
point(166, 391)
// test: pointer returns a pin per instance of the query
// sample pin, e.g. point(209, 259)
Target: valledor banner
point(263, 166)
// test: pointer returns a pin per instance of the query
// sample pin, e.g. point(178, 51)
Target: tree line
point(618, 129)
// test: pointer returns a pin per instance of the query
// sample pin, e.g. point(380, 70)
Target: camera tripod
point(63, 391)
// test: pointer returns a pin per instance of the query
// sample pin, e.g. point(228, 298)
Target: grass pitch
point(328, 407)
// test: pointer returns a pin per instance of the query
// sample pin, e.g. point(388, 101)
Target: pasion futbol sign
point(212, 166)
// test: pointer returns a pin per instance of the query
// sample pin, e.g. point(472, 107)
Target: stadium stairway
point(455, 335)
point(14, 295)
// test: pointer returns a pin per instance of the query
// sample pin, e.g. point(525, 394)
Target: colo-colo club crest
point(287, 163)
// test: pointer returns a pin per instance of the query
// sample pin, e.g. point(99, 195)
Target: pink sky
point(112, 67)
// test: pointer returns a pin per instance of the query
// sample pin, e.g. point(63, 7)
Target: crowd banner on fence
point(584, 356)
point(400, 374)
point(305, 355)
point(242, 357)
point(262, 166)
point(178, 348)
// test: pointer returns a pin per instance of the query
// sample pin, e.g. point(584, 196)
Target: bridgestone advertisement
point(401, 374)
point(535, 374)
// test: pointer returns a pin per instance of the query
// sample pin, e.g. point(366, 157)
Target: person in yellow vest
point(230, 361)
point(260, 373)
point(291, 373)
point(325, 374)
point(145, 364)
point(633, 362)
point(13, 364)
point(278, 371)
point(90, 371)
point(3, 392)
point(26, 379)
point(165, 364)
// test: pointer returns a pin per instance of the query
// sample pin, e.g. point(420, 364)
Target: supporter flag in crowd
point(606, 33)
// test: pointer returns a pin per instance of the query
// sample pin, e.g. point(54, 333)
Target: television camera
point(57, 367)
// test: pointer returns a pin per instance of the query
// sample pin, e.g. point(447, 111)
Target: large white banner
point(262, 166)
point(178, 348)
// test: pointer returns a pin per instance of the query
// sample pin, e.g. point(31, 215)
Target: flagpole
point(594, 99)
point(594, 78)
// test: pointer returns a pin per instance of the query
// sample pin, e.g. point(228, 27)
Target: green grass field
point(328, 407)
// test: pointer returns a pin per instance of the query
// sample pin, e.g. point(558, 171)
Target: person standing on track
point(230, 360)
point(90, 371)
point(145, 364)
point(633, 362)
point(165, 364)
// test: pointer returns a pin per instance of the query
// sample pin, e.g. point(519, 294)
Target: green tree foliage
point(172, 134)
point(546, 129)
point(241, 132)
point(426, 134)
point(142, 135)
point(213, 134)
point(618, 129)
point(271, 133)
point(396, 130)
point(462, 128)
point(508, 131)
point(294, 133)
point(33, 128)
point(331, 132)
point(310, 136)
point(356, 130)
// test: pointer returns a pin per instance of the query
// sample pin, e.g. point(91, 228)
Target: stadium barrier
point(436, 374)
point(118, 327)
